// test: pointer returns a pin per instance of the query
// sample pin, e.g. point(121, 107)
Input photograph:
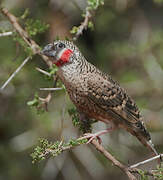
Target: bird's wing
point(110, 97)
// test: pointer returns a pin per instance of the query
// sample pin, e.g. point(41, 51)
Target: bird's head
point(60, 52)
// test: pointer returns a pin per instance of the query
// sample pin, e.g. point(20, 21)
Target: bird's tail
point(143, 136)
point(148, 143)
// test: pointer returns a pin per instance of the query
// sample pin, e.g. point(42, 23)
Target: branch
point(46, 149)
point(6, 34)
point(129, 171)
point(83, 25)
point(32, 44)
point(111, 158)
point(90, 9)
point(13, 75)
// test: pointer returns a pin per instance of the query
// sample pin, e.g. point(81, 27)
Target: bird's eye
point(61, 45)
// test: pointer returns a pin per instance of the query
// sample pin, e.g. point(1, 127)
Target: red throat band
point(64, 58)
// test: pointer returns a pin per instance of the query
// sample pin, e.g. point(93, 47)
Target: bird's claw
point(91, 136)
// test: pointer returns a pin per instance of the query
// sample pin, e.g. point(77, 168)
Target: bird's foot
point(92, 136)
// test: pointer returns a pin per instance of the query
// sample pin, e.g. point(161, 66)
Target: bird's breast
point(77, 88)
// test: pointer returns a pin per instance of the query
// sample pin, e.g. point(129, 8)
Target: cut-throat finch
point(95, 94)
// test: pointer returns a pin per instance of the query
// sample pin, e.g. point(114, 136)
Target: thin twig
point(83, 25)
point(6, 34)
point(31, 43)
point(35, 47)
point(146, 161)
point(111, 158)
point(13, 74)
point(45, 101)
point(20, 30)
point(43, 71)
point(50, 89)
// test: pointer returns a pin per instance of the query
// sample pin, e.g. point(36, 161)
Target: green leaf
point(34, 102)
point(37, 104)
point(25, 14)
point(91, 25)
point(94, 4)
point(53, 70)
point(74, 30)
point(84, 126)
point(34, 27)
point(27, 49)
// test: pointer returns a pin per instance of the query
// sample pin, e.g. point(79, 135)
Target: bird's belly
point(87, 107)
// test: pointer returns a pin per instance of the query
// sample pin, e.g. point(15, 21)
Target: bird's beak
point(49, 51)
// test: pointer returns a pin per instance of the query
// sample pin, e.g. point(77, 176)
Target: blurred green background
point(127, 43)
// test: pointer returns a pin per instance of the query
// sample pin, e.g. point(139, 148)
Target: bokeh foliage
point(126, 42)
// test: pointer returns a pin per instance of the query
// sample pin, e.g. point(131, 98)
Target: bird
point(95, 94)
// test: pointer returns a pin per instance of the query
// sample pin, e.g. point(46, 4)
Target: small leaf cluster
point(94, 4)
point(27, 49)
point(84, 125)
point(43, 149)
point(91, 25)
point(53, 70)
point(159, 172)
point(74, 115)
point(34, 27)
point(37, 103)
point(49, 149)
point(74, 30)
point(143, 175)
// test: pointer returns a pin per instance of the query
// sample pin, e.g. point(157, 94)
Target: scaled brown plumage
point(94, 93)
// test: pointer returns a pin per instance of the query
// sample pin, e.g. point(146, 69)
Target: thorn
point(14, 73)
point(50, 89)
point(6, 34)
point(43, 71)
